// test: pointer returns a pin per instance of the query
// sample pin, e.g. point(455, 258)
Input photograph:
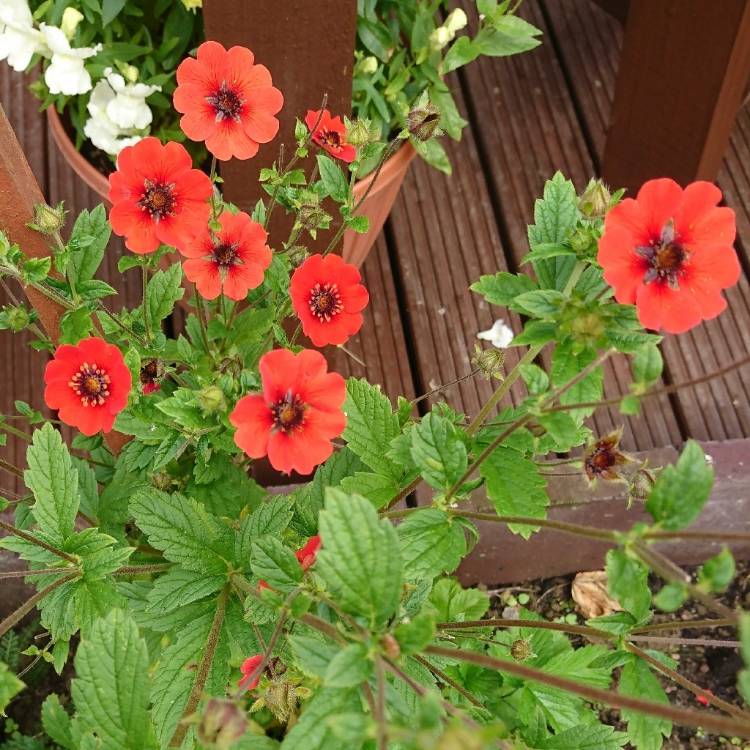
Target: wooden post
point(308, 46)
point(683, 72)
point(19, 192)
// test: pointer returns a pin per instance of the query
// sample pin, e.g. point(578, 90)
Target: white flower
point(456, 20)
point(66, 73)
point(19, 40)
point(70, 20)
point(128, 109)
point(440, 37)
point(500, 335)
point(101, 131)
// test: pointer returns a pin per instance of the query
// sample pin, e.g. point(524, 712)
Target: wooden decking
point(529, 116)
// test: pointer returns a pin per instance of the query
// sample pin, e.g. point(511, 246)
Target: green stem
point(146, 321)
point(202, 320)
point(656, 627)
point(447, 680)
point(686, 717)
point(5, 427)
point(14, 470)
point(136, 570)
point(381, 726)
point(560, 627)
point(204, 667)
point(32, 572)
point(445, 386)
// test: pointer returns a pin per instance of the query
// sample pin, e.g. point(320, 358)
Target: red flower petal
point(248, 668)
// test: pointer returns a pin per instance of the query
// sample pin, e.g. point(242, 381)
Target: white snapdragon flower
point(456, 20)
point(440, 37)
point(128, 108)
point(99, 128)
point(71, 17)
point(66, 73)
point(19, 40)
point(500, 335)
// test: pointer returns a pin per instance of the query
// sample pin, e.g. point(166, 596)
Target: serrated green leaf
point(717, 572)
point(313, 653)
point(503, 288)
point(628, 583)
point(313, 730)
point(276, 564)
point(371, 425)
point(334, 182)
point(10, 686)
point(54, 482)
point(164, 289)
point(647, 364)
point(349, 668)
point(111, 687)
point(379, 490)
point(183, 529)
point(438, 451)
point(644, 732)
point(178, 587)
point(515, 487)
point(541, 303)
point(56, 722)
point(88, 241)
point(360, 558)
point(586, 737)
point(450, 602)
point(414, 635)
point(682, 490)
point(431, 543)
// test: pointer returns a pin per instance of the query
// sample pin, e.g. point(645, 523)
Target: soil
point(710, 667)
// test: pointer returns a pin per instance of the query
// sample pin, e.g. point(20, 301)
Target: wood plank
point(527, 127)
point(718, 410)
point(504, 557)
point(677, 121)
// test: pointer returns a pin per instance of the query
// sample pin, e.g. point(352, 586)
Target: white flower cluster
point(446, 33)
point(117, 108)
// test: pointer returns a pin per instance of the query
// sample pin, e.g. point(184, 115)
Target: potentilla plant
point(206, 611)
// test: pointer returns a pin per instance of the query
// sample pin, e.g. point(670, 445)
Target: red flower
point(262, 585)
point(227, 101)
point(248, 668)
point(703, 698)
point(328, 299)
point(670, 252)
point(330, 134)
point(157, 197)
point(307, 554)
point(88, 384)
point(232, 260)
point(298, 414)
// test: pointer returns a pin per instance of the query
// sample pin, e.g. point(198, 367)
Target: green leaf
point(334, 182)
point(586, 737)
point(371, 425)
point(431, 543)
point(178, 587)
point(461, 52)
point(743, 678)
point(349, 668)
point(87, 243)
point(515, 487)
point(10, 686)
point(503, 288)
point(628, 583)
point(54, 482)
point(637, 681)
point(275, 564)
point(671, 597)
point(313, 730)
point(438, 451)
point(647, 364)
point(56, 722)
point(451, 602)
point(546, 250)
point(111, 687)
point(507, 35)
point(717, 572)
point(542, 303)
point(271, 517)
point(360, 559)
point(413, 636)
point(183, 529)
point(163, 290)
point(110, 10)
point(379, 490)
point(555, 216)
point(313, 653)
point(681, 490)
point(75, 325)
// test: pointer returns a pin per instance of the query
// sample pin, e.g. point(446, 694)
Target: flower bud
point(641, 484)
point(297, 255)
point(440, 37)
point(368, 65)
point(313, 217)
point(48, 220)
point(595, 200)
point(17, 317)
point(391, 647)
point(582, 243)
point(603, 458)
point(423, 122)
point(489, 361)
point(456, 20)
point(222, 724)
point(587, 328)
point(521, 650)
point(211, 399)
point(150, 375)
point(130, 73)
point(71, 17)
point(359, 133)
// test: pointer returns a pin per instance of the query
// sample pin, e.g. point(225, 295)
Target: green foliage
point(10, 686)
point(438, 451)
point(638, 681)
point(431, 543)
point(628, 583)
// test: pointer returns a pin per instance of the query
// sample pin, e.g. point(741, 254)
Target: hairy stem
point(204, 667)
point(445, 386)
point(379, 704)
point(39, 543)
point(447, 680)
point(136, 570)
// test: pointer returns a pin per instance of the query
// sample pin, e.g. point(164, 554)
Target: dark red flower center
point(227, 103)
point(665, 258)
point(225, 254)
point(288, 413)
point(330, 138)
point(90, 384)
point(158, 199)
point(325, 302)
point(602, 459)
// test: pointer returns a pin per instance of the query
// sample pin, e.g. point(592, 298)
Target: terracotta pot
point(376, 207)
point(78, 163)
point(378, 203)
